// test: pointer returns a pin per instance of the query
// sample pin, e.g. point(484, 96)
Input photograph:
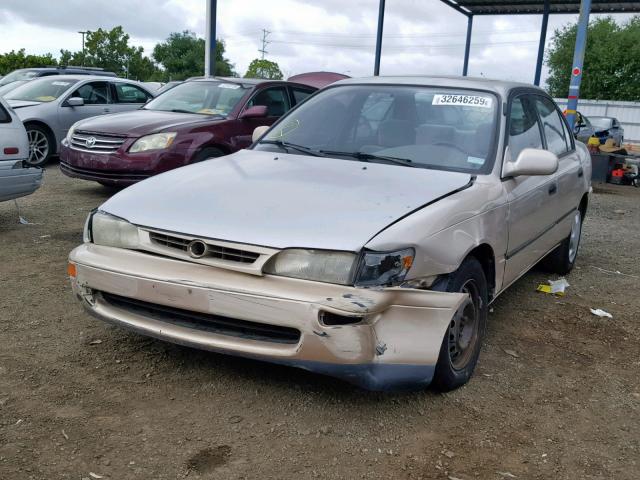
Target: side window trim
point(109, 98)
point(261, 90)
point(525, 94)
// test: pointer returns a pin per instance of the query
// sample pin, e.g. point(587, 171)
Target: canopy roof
point(520, 7)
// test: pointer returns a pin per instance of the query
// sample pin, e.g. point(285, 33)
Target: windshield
point(41, 90)
point(18, 75)
point(205, 98)
point(4, 89)
point(600, 123)
point(428, 127)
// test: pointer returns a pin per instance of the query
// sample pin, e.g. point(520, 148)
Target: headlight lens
point(110, 231)
point(316, 265)
point(157, 141)
point(377, 269)
point(71, 131)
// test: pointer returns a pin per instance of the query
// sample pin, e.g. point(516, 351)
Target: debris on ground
point(512, 353)
point(555, 287)
point(95, 342)
point(601, 313)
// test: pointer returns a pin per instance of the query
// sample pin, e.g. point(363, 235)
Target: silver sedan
point(364, 235)
point(48, 106)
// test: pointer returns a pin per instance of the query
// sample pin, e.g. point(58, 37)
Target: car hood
point(142, 122)
point(281, 200)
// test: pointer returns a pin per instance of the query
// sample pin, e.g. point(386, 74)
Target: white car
point(16, 180)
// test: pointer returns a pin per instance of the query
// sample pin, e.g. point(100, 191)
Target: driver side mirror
point(258, 132)
point(257, 111)
point(531, 161)
point(75, 102)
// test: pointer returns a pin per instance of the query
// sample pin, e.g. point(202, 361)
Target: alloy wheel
point(38, 147)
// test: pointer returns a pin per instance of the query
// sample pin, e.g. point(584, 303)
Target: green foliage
point(13, 60)
point(611, 62)
point(260, 68)
point(182, 56)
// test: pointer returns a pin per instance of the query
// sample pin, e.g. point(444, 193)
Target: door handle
point(106, 110)
point(580, 172)
point(553, 188)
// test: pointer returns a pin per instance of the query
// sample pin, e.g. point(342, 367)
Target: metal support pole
point(467, 47)
point(578, 61)
point(210, 40)
point(376, 68)
point(543, 37)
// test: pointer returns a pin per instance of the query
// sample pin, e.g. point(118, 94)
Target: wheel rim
point(574, 239)
point(463, 329)
point(38, 147)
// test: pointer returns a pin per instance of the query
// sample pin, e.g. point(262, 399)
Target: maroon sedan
point(193, 121)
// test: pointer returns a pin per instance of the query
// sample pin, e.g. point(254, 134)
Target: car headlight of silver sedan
point(157, 141)
point(110, 231)
point(344, 268)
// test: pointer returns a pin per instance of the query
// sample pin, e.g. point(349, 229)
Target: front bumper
point(119, 168)
point(391, 338)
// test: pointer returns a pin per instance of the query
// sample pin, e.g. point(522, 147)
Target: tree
point(182, 56)
point(611, 62)
point(261, 68)
point(13, 60)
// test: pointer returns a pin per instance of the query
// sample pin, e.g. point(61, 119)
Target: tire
point(207, 153)
point(563, 258)
point(461, 347)
point(40, 146)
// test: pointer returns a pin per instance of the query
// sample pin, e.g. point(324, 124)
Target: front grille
point(206, 322)
point(213, 250)
point(96, 142)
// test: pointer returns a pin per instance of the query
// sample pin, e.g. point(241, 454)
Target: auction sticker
point(462, 100)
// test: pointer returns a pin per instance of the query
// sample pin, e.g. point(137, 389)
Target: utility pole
point(263, 50)
point(83, 33)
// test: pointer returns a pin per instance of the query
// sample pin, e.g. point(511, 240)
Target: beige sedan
point(362, 236)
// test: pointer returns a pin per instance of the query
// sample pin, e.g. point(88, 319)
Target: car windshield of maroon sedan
point(428, 127)
point(40, 90)
point(201, 97)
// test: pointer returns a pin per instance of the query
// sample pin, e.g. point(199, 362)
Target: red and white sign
point(576, 71)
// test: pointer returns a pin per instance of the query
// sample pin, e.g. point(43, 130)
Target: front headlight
point(157, 141)
point(70, 133)
point(110, 231)
point(380, 269)
point(316, 265)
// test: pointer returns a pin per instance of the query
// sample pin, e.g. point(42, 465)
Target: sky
point(420, 36)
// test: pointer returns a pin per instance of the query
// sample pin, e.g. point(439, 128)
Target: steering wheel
point(452, 145)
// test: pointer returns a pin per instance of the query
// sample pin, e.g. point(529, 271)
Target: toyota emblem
point(90, 142)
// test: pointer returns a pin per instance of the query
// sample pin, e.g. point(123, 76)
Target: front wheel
point(40, 146)
point(461, 344)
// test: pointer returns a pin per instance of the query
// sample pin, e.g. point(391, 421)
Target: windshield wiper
point(293, 146)
point(366, 157)
point(179, 110)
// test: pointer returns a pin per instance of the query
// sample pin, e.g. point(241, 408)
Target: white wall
point(628, 113)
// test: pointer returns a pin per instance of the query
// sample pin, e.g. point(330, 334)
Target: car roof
point(80, 76)
point(498, 86)
point(241, 81)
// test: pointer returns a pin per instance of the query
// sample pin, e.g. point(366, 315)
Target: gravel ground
point(81, 399)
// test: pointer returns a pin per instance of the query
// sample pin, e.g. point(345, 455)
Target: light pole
point(83, 33)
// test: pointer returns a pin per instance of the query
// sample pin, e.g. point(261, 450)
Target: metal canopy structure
point(522, 7)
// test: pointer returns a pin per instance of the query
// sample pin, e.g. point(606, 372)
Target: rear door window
point(300, 94)
point(127, 93)
point(4, 115)
point(552, 125)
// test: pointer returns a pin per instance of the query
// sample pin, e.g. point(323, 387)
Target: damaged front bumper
point(377, 338)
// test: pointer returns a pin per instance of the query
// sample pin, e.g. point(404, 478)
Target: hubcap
point(38, 147)
point(574, 239)
point(463, 329)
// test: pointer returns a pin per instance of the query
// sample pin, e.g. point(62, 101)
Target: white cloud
point(420, 36)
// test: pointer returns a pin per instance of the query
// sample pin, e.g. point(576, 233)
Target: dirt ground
point(81, 399)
